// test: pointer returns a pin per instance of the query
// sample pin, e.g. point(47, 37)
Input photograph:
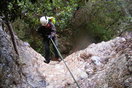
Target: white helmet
point(43, 20)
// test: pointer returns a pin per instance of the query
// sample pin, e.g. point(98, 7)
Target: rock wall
point(9, 69)
point(102, 65)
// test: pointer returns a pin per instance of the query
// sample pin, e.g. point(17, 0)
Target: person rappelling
point(48, 31)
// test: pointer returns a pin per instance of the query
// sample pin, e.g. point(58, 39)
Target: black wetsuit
point(45, 32)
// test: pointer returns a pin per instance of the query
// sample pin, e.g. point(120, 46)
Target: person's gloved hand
point(50, 36)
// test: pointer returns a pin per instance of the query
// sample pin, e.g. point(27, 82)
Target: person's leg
point(55, 51)
point(47, 50)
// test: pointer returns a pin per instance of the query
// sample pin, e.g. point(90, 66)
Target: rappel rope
point(65, 63)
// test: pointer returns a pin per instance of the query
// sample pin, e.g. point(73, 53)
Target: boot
point(46, 61)
point(56, 59)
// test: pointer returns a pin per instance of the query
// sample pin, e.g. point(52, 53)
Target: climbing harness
point(65, 63)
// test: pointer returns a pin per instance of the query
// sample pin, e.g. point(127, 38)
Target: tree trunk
point(12, 36)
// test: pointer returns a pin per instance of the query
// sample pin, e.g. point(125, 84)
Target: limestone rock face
point(102, 65)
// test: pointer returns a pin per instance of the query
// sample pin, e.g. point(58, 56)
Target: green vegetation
point(101, 19)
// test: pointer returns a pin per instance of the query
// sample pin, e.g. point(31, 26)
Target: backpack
point(51, 19)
